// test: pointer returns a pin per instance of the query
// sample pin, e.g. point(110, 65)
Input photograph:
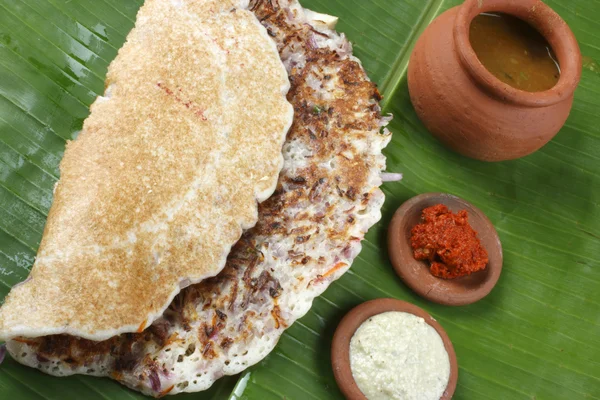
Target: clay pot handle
point(548, 23)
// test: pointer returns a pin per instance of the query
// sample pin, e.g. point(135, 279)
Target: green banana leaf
point(536, 336)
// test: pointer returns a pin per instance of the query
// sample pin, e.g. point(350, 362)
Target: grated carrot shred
point(28, 342)
point(140, 328)
point(166, 391)
point(335, 268)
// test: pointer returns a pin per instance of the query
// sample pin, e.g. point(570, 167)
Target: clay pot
point(469, 109)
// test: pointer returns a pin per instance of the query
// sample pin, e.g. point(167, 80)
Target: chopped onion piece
point(385, 119)
point(390, 177)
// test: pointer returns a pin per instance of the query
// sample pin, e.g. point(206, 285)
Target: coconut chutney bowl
point(341, 346)
point(416, 274)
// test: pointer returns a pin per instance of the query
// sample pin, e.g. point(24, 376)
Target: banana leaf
point(536, 336)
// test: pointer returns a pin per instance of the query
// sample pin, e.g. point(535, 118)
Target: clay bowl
point(416, 275)
point(471, 111)
point(340, 350)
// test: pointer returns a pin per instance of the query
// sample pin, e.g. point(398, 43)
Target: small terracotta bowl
point(416, 274)
point(340, 350)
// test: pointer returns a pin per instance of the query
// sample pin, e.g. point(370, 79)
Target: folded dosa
point(165, 175)
point(308, 234)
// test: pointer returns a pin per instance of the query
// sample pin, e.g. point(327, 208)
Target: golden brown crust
point(164, 176)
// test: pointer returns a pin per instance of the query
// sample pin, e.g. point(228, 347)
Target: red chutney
point(448, 242)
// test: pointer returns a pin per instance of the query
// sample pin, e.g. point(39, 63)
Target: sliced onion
point(312, 42)
point(154, 381)
point(385, 119)
point(289, 13)
point(345, 48)
point(390, 177)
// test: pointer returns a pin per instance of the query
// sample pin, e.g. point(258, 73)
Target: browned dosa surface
point(164, 176)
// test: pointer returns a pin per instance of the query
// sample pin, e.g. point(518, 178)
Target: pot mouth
point(548, 23)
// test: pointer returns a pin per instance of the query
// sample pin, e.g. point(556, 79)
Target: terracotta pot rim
point(548, 23)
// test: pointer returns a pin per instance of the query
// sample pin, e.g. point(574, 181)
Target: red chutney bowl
point(470, 110)
point(416, 274)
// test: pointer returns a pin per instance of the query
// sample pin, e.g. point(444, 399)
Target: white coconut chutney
point(397, 355)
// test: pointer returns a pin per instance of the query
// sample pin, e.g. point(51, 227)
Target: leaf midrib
point(397, 73)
